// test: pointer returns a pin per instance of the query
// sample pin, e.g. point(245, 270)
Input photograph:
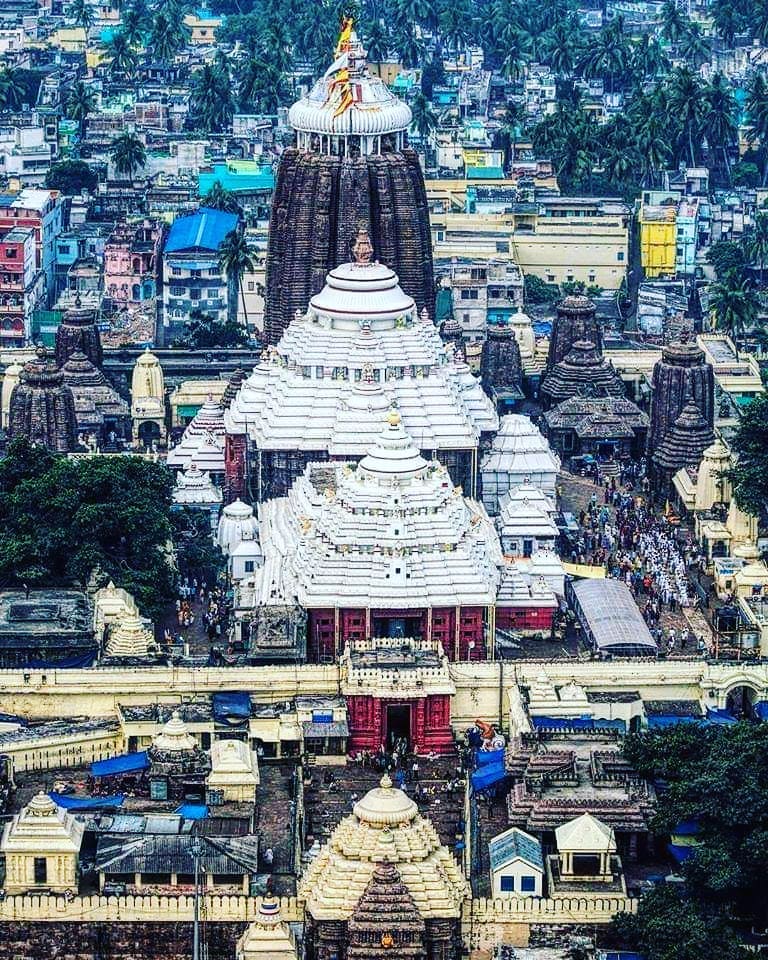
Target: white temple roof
point(520, 446)
point(585, 833)
point(202, 442)
point(42, 827)
point(268, 937)
point(130, 636)
point(522, 518)
point(530, 493)
point(235, 518)
point(360, 348)
point(391, 532)
point(175, 737)
point(194, 487)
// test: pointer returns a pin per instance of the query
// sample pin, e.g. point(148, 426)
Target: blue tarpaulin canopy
point(720, 716)
point(761, 709)
point(231, 708)
point(576, 723)
point(77, 660)
point(669, 720)
point(486, 776)
point(680, 853)
point(86, 803)
point(486, 757)
point(192, 811)
point(125, 763)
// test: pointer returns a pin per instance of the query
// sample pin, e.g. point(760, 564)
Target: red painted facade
point(525, 618)
point(430, 722)
point(234, 467)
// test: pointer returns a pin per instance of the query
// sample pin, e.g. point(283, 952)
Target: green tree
point(204, 332)
point(168, 36)
point(727, 20)
point(378, 40)
point(12, 91)
point(757, 244)
point(728, 260)
point(687, 106)
point(71, 177)
point(262, 85)
point(219, 198)
point(673, 21)
point(424, 119)
point(647, 58)
point(82, 13)
point(121, 55)
point(212, 98)
point(719, 121)
point(236, 259)
point(133, 26)
point(608, 56)
point(538, 291)
point(128, 154)
point(757, 112)
point(517, 49)
point(60, 519)
point(694, 47)
point(80, 103)
point(734, 306)
point(750, 445)
point(564, 47)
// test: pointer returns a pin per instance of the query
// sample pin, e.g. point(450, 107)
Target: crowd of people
point(210, 603)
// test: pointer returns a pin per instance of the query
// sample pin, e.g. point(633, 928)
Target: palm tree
point(80, 103)
point(757, 244)
point(727, 20)
point(760, 20)
point(673, 21)
point(82, 13)
point(424, 119)
point(235, 259)
point(647, 58)
point(720, 126)
point(128, 154)
point(563, 48)
point(214, 103)
point(518, 50)
point(652, 145)
point(133, 27)
point(122, 57)
point(734, 307)
point(262, 85)
point(409, 47)
point(686, 105)
point(219, 198)
point(694, 47)
point(453, 25)
point(757, 111)
point(608, 56)
point(12, 91)
point(378, 40)
point(422, 12)
point(168, 36)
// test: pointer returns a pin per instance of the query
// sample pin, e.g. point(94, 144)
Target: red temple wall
point(234, 467)
point(525, 618)
point(430, 722)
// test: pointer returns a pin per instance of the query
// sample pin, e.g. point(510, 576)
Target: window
point(11, 253)
point(251, 286)
point(194, 294)
point(249, 566)
point(527, 884)
point(620, 256)
point(550, 278)
point(196, 273)
point(41, 870)
point(176, 271)
point(507, 884)
point(213, 292)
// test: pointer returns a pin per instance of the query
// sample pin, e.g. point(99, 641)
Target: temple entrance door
point(741, 703)
point(398, 723)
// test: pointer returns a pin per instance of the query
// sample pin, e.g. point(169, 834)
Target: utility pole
point(196, 849)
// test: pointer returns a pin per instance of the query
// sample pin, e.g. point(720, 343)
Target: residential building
point(483, 292)
point(658, 239)
point(132, 262)
point(43, 212)
point(25, 152)
point(22, 286)
point(192, 276)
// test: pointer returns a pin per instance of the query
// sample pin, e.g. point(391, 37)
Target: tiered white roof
point(235, 518)
point(175, 737)
point(268, 937)
point(519, 453)
point(130, 637)
point(524, 518)
point(529, 493)
point(360, 348)
point(391, 532)
point(195, 488)
point(42, 828)
point(202, 443)
point(519, 589)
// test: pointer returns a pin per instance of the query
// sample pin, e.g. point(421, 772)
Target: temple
point(351, 164)
point(323, 391)
point(79, 332)
point(42, 406)
point(576, 320)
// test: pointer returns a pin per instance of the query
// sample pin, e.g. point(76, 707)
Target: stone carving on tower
point(78, 331)
point(351, 164)
point(42, 406)
point(576, 320)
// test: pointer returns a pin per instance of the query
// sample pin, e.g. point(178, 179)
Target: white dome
point(394, 457)
point(362, 290)
point(236, 518)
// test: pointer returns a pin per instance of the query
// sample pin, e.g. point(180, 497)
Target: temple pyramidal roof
point(393, 530)
point(385, 826)
point(360, 348)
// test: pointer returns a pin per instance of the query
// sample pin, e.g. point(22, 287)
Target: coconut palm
point(219, 198)
point(727, 21)
point(409, 47)
point(647, 58)
point(235, 259)
point(424, 119)
point(734, 307)
point(608, 56)
point(673, 21)
point(128, 154)
point(686, 106)
point(719, 122)
point(454, 25)
point(214, 103)
point(80, 103)
point(652, 145)
point(12, 91)
point(122, 56)
point(757, 112)
point(378, 40)
point(423, 12)
point(757, 244)
point(262, 85)
point(167, 38)
point(133, 27)
point(694, 47)
point(517, 55)
point(82, 13)
point(563, 49)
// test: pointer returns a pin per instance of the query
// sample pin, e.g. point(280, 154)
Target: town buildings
point(22, 285)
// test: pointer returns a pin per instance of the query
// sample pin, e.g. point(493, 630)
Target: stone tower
point(385, 922)
point(351, 165)
point(501, 367)
point(583, 371)
point(42, 406)
point(682, 445)
point(78, 331)
point(682, 375)
point(576, 320)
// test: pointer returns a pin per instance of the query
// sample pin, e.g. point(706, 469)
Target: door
point(398, 723)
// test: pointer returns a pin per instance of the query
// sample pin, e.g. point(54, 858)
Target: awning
point(192, 811)
point(679, 853)
point(576, 723)
point(318, 731)
point(584, 570)
point(486, 757)
point(125, 763)
point(761, 709)
point(669, 720)
point(722, 717)
point(86, 803)
point(488, 776)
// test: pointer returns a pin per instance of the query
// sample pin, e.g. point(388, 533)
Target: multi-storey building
point(21, 285)
point(42, 212)
point(131, 262)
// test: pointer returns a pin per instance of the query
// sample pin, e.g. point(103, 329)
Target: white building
point(517, 865)
point(236, 518)
point(519, 454)
point(202, 443)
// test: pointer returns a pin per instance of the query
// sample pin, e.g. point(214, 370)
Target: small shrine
point(41, 846)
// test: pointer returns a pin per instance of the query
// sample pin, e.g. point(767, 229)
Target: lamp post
point(196, 849)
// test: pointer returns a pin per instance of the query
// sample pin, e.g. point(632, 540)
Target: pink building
point(131, 262)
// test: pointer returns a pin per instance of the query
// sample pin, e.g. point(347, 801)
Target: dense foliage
point(205, 332)
point(750, 444)
point(62, 519)
point(716, 776)
point(71, 177)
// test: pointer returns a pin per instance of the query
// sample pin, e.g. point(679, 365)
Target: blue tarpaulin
point(576, 723)
point(125, 763)
point(231, 708)
point(687, 828)
point(680, 853)
point(86, 803)
point(669, 720)
point(68, 663)
point(192, 811)
point(761, 709)
point(486, 776)
point(720, 716)
point(486, 757)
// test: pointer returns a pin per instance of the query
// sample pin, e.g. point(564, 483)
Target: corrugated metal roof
point(173, 854)
point(608, 611)
point(514, 844)
point(203, 230)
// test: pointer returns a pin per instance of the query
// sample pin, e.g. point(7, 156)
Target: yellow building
point(202, 29)
point(41, 846)
point(69, 39)
point(559, 239)
point(658, 240)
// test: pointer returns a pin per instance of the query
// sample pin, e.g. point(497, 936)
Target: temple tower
point(576, 320)
point(42, 406)
point(681, 376)
point(501, 367)
point(682, 445)
point(385, 921)
point(78, 331)
point(583, 371)
point(351, 164)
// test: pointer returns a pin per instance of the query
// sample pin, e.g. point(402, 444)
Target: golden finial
point(393, 418)
point(363, 249)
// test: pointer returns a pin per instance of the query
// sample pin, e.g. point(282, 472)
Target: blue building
point(192, 277)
